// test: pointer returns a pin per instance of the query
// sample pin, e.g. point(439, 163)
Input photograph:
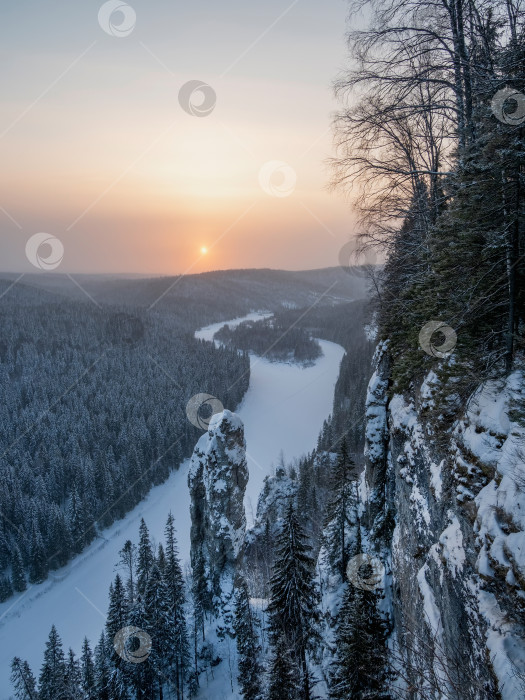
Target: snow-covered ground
point(283, 409)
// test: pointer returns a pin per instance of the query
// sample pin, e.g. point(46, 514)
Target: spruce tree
point(76, 522)
point(18, 576)
point(141, 675)
point(73, 677)
point(6, 588)
point(175, 596)
point(102, 668)
point(158, 625)
point(23, 680)
point(283, 678)
point(61, 539)
point(116, 621)
point(117, 610)
point(118, 683)
point(145, 558)
point(342, 512)
point(38, 567)
point(294, 597)
point(52, 681)
point(360, 669)
point(161, 558)
point(87, 671)
point(128, 555)
point(248, 648)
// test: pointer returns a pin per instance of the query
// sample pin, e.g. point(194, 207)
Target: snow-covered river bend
point(283, 409)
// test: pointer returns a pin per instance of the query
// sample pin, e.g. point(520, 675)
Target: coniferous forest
point(73, 465)
point(387, 561)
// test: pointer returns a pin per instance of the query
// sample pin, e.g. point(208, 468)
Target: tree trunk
point(306, 677)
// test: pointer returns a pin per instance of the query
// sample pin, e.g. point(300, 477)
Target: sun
point(204, 250)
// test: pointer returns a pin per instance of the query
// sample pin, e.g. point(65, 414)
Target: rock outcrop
point(447, 517)
point(217, 480)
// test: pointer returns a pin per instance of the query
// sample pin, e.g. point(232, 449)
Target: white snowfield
point(283, 409)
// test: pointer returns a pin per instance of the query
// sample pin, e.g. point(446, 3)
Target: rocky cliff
point(217, 480)
point(445, 511)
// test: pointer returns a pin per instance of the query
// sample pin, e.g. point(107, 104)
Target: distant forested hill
point(195, 300)
point(94, 395)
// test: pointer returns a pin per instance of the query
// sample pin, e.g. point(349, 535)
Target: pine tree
point(145, 558)
point(248, 648)
point(18, 576)
point(87, 671)
point(23, 680)
point(360, 669)
point(294, 597)
point(52, 681)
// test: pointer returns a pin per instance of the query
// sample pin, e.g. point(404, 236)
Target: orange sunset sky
point(97, 150)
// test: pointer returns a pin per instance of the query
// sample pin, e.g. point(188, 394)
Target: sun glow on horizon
point(204, 250)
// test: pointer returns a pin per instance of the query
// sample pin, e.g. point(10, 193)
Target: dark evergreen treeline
point(280, 661)
point(150, 597)
point(434, 137)
point(92, 415)
point(307, 530)
point(273, 339)
point(310, 481)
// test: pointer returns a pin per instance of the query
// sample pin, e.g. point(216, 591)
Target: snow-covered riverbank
point(283, 409)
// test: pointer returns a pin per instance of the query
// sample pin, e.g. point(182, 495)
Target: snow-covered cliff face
point(217, 480)
point(448, 518)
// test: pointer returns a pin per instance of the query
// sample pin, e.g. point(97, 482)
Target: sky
point(102, 150)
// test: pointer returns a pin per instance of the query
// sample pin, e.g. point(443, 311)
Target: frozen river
point(283, 409)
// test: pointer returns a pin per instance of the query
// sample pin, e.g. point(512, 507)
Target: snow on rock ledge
point(448, 508)
point(217, 480)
